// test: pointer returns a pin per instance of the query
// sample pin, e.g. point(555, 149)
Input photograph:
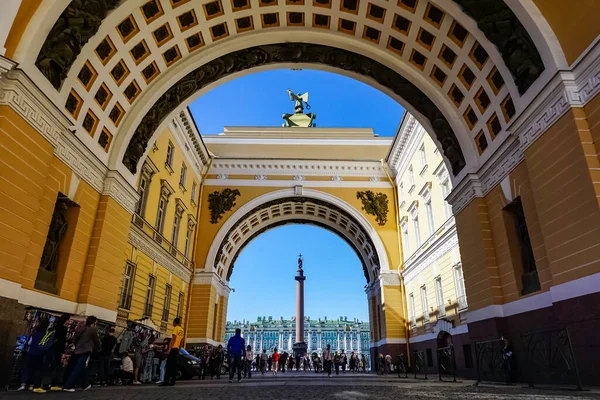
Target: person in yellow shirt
point(173, 350)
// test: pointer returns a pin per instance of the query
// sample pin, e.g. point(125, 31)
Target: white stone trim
point(565, 90)
point(191, 340)
point(148, 246)
point(565, 291)
point(458, 330)
point(265, 167)
point(388, 341)
point(291, 183)
point(119, 189)
point(365, 225)
point(15, 291)
point(19, 93)
point(5, 65)
point(432, 249)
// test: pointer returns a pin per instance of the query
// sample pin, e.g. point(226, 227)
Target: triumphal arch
point(92, 92)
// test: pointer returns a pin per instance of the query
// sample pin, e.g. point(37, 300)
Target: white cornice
point(121, 191)
point(431, 250)
point(19, 93)
point(146, 245)
point(230, 166)
point(292, 182)
point(567, 89)
point(405, 144)
point(6, 65)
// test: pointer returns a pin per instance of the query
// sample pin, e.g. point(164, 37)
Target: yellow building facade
point(513, 114)
point(431, 270)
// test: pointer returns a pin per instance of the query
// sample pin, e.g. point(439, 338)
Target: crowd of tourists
point(45, 367)
point(243, 360)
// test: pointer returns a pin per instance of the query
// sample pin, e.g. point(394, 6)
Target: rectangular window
point(170, 155)
point(445, 192)
point(439, 295)
point(193, 197)
point(423, 156)
point(167, 303)
point(149, 296)
point(188, 241)
point(180, 306)
point(424, 303)
point(175, 234)
point(411, 305)
point(127, 288)
point(430, 221)
point(417, 232)
point(411, 176)
point(459, 282)
point(405, 241)
point(160, 215)
point(401, 190)
point(143, 192)
point(183, 175)
point(468, 356)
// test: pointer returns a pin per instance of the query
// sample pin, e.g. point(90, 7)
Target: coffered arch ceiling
point(119, 69)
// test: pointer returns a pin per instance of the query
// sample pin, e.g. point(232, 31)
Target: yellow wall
point(208, 231)
point(574, 24)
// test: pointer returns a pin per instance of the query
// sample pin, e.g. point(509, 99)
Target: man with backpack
point(58, 348)
point(39, 343)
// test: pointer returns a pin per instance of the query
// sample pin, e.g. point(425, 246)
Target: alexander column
point(300, 346)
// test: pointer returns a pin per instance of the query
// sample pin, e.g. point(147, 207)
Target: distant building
point(341, 334)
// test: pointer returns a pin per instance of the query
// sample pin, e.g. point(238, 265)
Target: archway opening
point(263, 300)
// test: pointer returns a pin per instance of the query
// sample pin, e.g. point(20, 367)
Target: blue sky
point(263, 278)
point(260, 99)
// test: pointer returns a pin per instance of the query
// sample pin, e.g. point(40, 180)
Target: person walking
point(203, 356)
point(388, 364)
point(344, 361)
point(173, 350)
point(86, 342)
point(264, 360)
point(58, 348)
point(363, 362)
point(235, 351)
point(328, 359)
point(353, 362)
point(306, 362)
point(108, 343)
point(248, 364)
point(269, 361)
point(337, 360)
point(275, 360)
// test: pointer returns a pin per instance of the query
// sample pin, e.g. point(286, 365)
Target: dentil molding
point(567, 89)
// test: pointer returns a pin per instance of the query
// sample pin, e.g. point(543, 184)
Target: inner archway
point(263, 303)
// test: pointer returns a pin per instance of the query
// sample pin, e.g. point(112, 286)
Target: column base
point(299, 349)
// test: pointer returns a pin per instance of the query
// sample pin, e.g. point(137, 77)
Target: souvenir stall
point(32, 317)
point(138, 340)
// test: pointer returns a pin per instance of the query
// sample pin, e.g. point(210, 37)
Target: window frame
point(167, 303)
point(127, 287)
point(149, 300)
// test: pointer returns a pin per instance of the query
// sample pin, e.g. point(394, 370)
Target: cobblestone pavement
point(317, 387)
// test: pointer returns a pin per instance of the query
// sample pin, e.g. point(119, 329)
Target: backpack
point(47, 341)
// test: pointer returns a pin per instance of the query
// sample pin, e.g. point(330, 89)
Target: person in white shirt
point(249, 356)
point(263, 361)
point(126, 370)
point(328, 359)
